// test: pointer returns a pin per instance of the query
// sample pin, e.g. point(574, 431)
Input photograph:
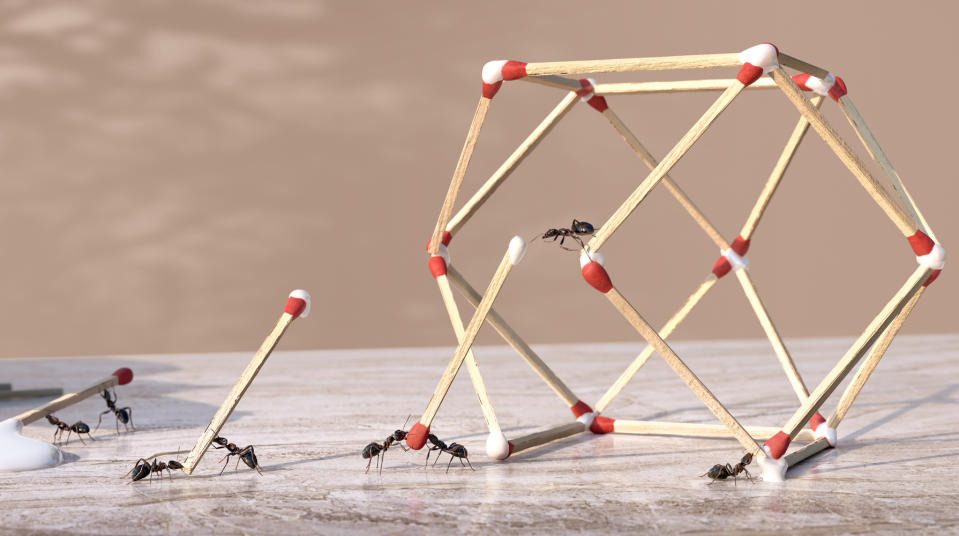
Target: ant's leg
point(117, 419)
point(468, 463)
point(368, 464)
point(428, 457)
point(68, 436)
point(99, 419)
point(135, 464)
point(81, 439)
point(225, 464)
point(449, 464)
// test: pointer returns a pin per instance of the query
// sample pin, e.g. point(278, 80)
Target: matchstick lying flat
point(297, 305)
point(121, 376)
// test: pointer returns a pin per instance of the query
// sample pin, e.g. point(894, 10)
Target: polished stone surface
point(309, 414)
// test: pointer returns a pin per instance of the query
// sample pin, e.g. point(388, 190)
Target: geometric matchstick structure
point(759, 67)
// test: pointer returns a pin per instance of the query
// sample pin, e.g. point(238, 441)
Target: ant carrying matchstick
point(379, 449)
point(78, 428)
point(246, 454)
point(722, 472)
point(455, 450)
point(122, 415)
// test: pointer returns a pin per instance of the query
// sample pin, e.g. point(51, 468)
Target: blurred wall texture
point(172, 169)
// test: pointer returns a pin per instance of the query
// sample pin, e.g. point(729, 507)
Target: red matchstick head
point(124, 375)
point(596, 276)
point(416, 437)
point(298, 304)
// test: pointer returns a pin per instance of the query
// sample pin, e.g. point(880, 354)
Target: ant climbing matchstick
point(122, 415)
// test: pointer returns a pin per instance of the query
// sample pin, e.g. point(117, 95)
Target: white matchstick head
point(587, 418)
point(764, 55)
point(935, 259)
point(493, 71)
point(497, 447)
point(517, 249)
point(820, 86)
point(444, 252)
point(773, 470)
point(736, 261)
point(586, 258)
point(298, 304)
point(18, 453)
point(827, 433)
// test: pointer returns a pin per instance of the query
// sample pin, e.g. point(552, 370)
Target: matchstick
point(297, 305)
point(794, 63)
point(513, 339)
point(545, 436)
point(7, 394)
point(477, 123)
point(806, 452)
point(697, 429)
point(678, 86)
point(786, 360)
point(775, 177)
point(832, 138)
point(872, 147)
point(417, 435)
point(670, 160)
point(558, 82)
point(121, 376)
point(673, 188)
point(511, 163)
point(780, 442)
point(700, 61)
point(478, 385)
point(872, 360)
point(664, 333)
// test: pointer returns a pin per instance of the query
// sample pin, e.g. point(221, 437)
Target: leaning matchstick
point(499, 448)
point(297, 305)
point(511, 163)
point(514, 340)
point(794, 63)
point(696, 429)
point(678, 86)
point(595, 274)
point(667, 163)
point(664, 333)
point(699, 61)
point(417, 435)
point(832, 138)
point(447, 210)
point(557, 82)
point(806, 451)
point(18, 453)
point(542, 437)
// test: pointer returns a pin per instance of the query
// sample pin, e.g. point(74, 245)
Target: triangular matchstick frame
point(758, 67)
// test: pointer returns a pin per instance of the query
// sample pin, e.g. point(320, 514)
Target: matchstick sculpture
point(753, 64)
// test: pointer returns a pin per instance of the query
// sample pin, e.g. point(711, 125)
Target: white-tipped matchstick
point(545, 436)
point(678, 86)
point(696, 429)
point(417, 435)
point(18, 453)
point(664, 63)
point(297, 306)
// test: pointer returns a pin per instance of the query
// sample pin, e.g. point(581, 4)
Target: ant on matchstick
point(455, 450)
point(78, 428)
point(722, 472)
point(379, 449)
point(124, 415)
point(246, 454)
point(576, 231)
point(142, 470)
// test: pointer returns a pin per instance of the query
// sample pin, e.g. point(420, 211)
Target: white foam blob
point(497, 447)
point(18, 453)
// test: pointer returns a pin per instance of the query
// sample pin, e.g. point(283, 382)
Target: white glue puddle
point(18, 453)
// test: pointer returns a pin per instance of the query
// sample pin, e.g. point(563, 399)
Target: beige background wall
point(170, 170)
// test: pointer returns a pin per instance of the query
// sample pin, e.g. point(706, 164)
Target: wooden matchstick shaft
point(825, 130)
point(696, 429)
point(665, 332)
point(511, 163)
point(7, 394)
point(673, 188)
point(479, 317)
point(786, 360)
point(856, 351)
point(772, 183)
point(545, 436)
point(667, 163)
point(513, 339)
point(687, 375)
point(66, 400)
point(239, 389)
point(872, 146)
point(861, 376)
point(478, 385)
point(679, 86)
point(447, 210)
point(558, 82)
point(806, 452)
point(793, 63)
point(700, 61)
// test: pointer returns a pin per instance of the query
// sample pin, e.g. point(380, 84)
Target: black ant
point(246, 454)
point(78, 428)
point(379, 450)
point(455, 450)
point(142, 470)
point(722, 472)
point(124, 415)
point(575, 232)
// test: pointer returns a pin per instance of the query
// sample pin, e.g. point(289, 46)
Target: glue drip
point(18, 453)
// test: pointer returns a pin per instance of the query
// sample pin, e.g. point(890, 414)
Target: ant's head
point(399, 435)
point(747, 458)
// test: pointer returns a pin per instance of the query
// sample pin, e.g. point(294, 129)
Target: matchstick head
point(729, 261)
point(586, 258)
point(497, 447)
point(757, 61)
point(831, 86)
point(447, 238)
point(494, 72)
point(594, 274)
point(298, 304)
point(437, 266)
point(517, 249)
point(416, 437)
point(774, 470)
point(124, 375)
point(602, 425)
point(829, 434)
point(588, 96)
